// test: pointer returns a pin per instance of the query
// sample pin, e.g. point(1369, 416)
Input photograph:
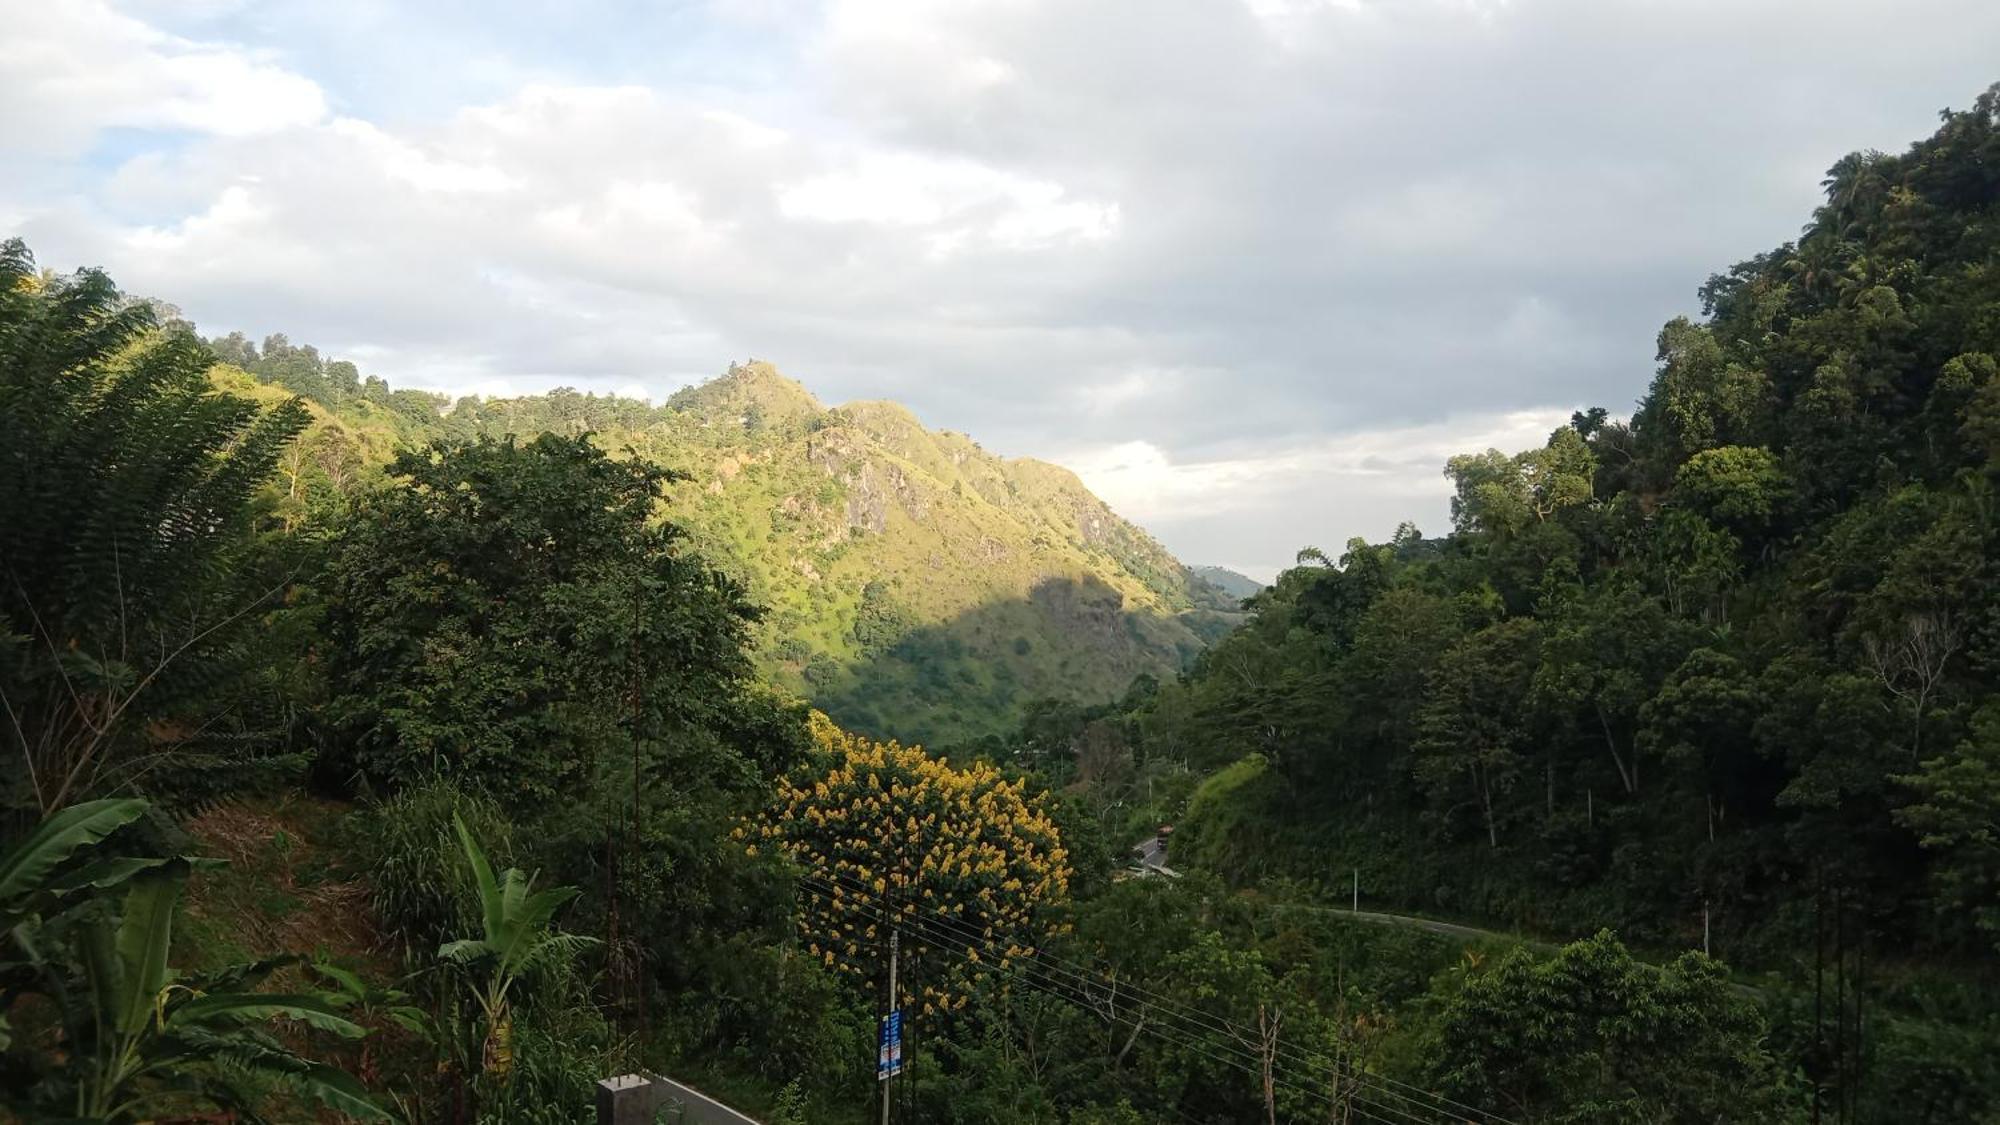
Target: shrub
point(421, 886)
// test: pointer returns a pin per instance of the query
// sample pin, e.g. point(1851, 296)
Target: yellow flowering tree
point(965, 859)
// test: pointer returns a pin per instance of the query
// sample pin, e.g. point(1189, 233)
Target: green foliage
point(1225, 824)
point(510, 617)
point(89, 934)
point(1701, 399)
point(903, 568)
point(880, 621)
point(420, 883)
point(1957, 814)
point(125, 574)
point(1592, 1035)
point(517, 936)
point(1734, 485)
point(1472, 732)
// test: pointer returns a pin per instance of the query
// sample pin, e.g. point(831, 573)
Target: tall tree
point(126, 495)
point(511, 615)
point(1473, 729)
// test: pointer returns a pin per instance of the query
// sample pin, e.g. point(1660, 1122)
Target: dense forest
point(375, 757)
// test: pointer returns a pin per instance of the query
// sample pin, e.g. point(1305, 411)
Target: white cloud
point(1146, 482)
point(1261, 265)
point(959, 202)
point(234, 215)
point(1259, 507)
point(410, 164)
point(73, 69)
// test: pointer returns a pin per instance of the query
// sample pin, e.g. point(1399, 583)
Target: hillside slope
point(1227, 581)
point(917, 585)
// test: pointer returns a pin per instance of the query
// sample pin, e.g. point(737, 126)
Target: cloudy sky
point(1253, 267)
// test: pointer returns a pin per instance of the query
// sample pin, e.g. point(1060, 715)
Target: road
point(1413, 922)
point(1150, 857)
point(1464, 933)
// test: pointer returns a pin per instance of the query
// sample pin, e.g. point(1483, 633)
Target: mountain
point(1229, 582)
point(917, 586)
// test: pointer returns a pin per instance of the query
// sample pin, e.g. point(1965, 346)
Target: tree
point(1736, 486)
point(1956, 814)
point(1603, 654)
point(1592, 1035)
point(1700, 399)
point(126, 567)
point(1397, 645)
point(1559, 475)
point(1489, 493)
point(1701, 719)
point(1472, 731)
point(510, 615)
point(886, 832)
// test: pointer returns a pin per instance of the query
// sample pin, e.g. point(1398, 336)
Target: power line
point(1239, 1056)
point(1201, 1021)
point(1427, 1100)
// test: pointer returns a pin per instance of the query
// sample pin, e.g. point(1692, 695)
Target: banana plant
point(37, 872)
point(518, 937)
point(134, 1040)
point(363, 999)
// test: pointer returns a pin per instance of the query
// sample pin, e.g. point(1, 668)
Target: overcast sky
point(1255, 268)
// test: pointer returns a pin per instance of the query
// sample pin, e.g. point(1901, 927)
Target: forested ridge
point(379, 761)
point(1734, 655)
point(1720, 675)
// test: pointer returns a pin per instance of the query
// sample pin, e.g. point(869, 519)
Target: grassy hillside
point(916, 585)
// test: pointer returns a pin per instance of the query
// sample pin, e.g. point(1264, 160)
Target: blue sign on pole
point(889, 1059)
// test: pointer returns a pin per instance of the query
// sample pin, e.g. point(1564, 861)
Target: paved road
point(1150, 855)
point(1150, 852)
point(1411, 921)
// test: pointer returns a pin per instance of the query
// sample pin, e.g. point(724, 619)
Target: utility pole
point(1357, 890)
point(888, 1044)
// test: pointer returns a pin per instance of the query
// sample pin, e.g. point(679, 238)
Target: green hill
point(917, 585)
point(1229, 582)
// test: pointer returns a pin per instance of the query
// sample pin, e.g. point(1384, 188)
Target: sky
point(1253, 268)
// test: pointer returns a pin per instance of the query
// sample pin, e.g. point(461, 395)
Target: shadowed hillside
point(1070, 638)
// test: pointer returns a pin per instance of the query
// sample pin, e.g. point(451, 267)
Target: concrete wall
point(635, 1099)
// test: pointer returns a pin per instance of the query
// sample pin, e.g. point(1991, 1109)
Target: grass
point(282, 888)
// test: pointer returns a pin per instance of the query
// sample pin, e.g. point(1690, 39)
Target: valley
point(380, 755)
